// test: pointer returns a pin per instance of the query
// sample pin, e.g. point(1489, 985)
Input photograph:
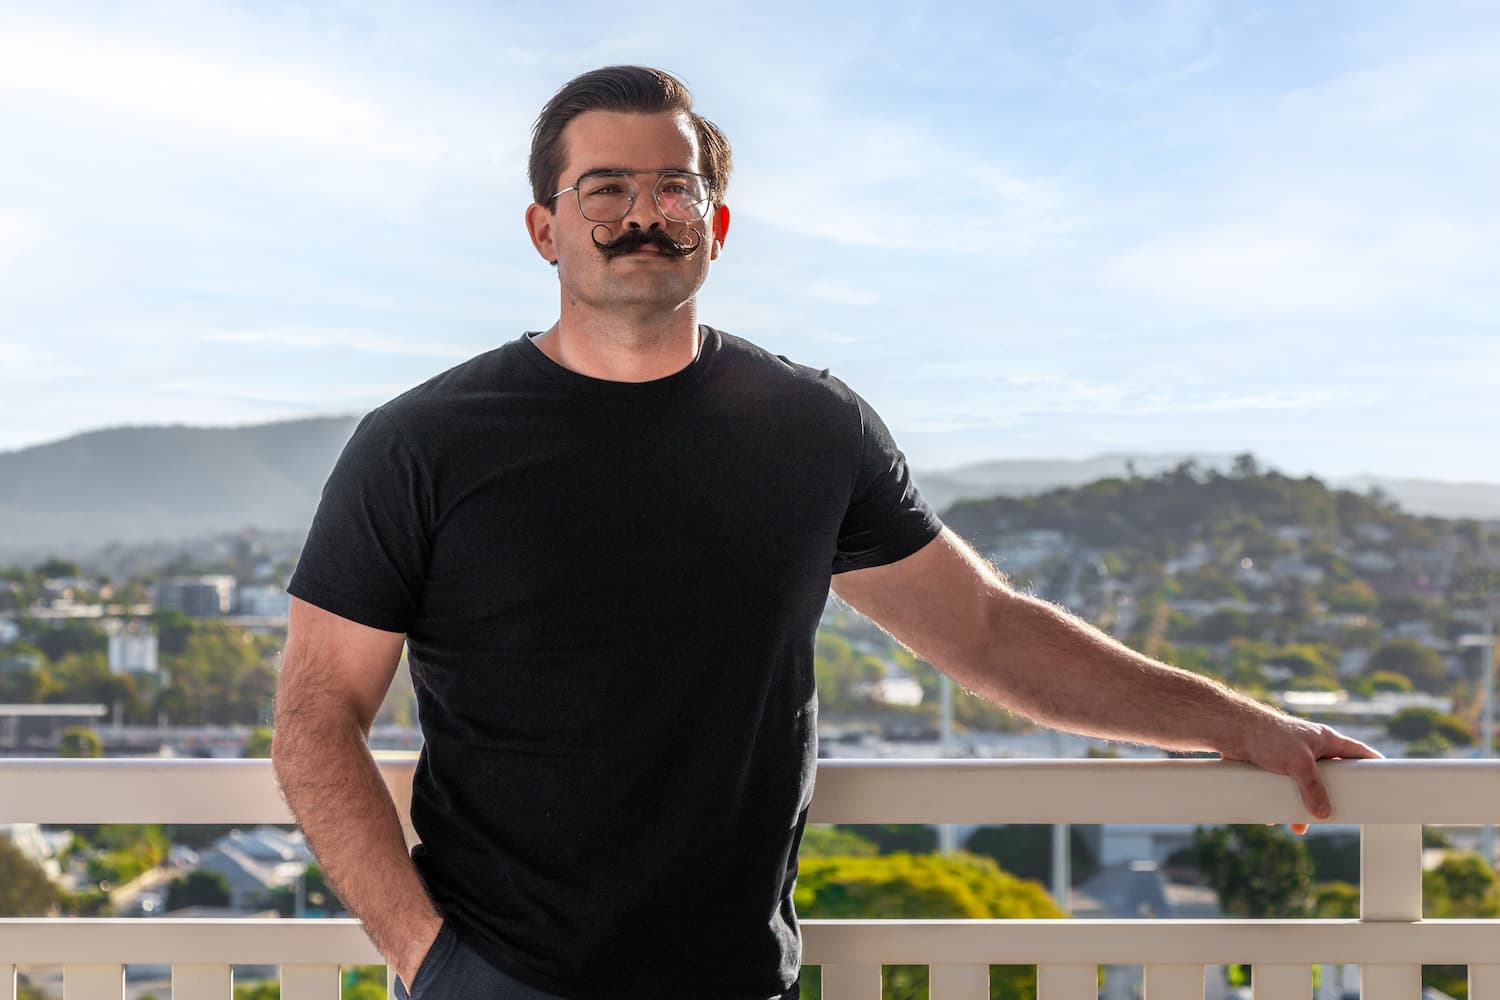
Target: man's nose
point(644, 213)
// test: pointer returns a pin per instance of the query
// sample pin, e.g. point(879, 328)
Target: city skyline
point(1178, 227)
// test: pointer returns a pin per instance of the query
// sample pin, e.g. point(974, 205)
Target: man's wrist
point(417, 948)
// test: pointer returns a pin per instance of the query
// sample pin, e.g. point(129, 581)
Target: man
point(606, 548)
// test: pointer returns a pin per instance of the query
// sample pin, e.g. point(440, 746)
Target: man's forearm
point(1050, 666)
point(343, 806)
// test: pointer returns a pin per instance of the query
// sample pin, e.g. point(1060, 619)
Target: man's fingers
point(1336, 744)
point(1310, 787)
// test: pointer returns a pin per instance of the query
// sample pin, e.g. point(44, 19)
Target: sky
point(1019, 230)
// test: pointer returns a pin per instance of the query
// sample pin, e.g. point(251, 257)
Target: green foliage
point(320, 895)
point(1025, 850)
point(891, 838)
point(87, 902)
point(1353, 597)
point(1421, 723)
point(126, 851)
point(1389, 680)
point(265, 989)
point(1336, 901)
point(1334, 856)
point(820, 841)
point(199, 888)
point(259, 743)
point(1224, 625)
point(80, 741)
point(1462, 885)
point(221, 675)
point(917, 886)
point(1258, 871)
point(1451, 980)
point(840, 672)
point(1412, 660)
point(363, 982)
point(25, 890)
point(70, 636)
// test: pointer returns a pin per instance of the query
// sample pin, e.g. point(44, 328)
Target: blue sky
point(1020, 230)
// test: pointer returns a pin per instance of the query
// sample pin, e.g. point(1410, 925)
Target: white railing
point(1390, 942)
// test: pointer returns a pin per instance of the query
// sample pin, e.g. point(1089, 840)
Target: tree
point(1336, 901)
point(1025, 850)
point(80, 741)
point(1387, 680)
point(259, 743)
point(1414, 661)
point(1462, 885)
point(825, 841)
point(55, 568)
point(199, 888)
point(1258, 871)
point(25, 890)
point(916, 885)
point(890, 838)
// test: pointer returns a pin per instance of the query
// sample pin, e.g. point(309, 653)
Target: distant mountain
point(133, 484)
point(138, 484)
point(1026, 477)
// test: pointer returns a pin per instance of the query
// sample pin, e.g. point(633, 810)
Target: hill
point(167, 484)
point(131, 484)
point(1028, 477)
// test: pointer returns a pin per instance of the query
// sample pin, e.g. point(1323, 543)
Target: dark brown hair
point(638, 89)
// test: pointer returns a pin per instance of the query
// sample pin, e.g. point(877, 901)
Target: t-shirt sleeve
point(887, 519)
point(366, 554)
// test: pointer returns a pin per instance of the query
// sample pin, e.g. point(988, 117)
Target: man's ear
point(720, 226)
point(539, 220)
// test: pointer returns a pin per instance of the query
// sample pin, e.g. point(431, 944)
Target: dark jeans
point(454, 971)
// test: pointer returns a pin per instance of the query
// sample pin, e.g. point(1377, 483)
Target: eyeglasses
point(608, 195)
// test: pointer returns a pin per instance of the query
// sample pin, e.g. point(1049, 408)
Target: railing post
point(1390, 891)
point(1174, 982)
point(309, 982)
point(851, 982)
point(1067, 982)
point(1484, 983)
point(1280, 982)
point(202, 982)
point(93, 982)
point(7, 982)
point(959, 982)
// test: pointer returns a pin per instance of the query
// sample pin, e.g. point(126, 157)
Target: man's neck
point(621, 348)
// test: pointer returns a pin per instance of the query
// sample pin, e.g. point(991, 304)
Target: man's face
point(645, 278)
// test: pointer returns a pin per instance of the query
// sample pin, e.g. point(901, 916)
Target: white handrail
point(135, 790)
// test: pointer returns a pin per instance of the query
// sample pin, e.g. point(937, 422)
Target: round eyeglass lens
point(606, 197)
point(681, 197)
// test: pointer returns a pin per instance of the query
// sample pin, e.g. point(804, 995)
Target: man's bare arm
point(951, 608)
point(333, 676)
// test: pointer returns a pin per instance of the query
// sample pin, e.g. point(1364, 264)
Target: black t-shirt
point(609, 592)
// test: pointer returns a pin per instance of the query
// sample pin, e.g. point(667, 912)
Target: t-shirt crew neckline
point(661, 388)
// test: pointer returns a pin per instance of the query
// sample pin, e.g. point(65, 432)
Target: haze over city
point(1020, 232)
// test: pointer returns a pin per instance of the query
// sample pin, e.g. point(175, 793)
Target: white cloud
point(18, 235)
point(211, 91)
point(323, 338)
point(20, 362)
point(1304, 258)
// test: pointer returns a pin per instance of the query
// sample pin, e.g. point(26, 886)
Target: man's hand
point(1290, 746)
